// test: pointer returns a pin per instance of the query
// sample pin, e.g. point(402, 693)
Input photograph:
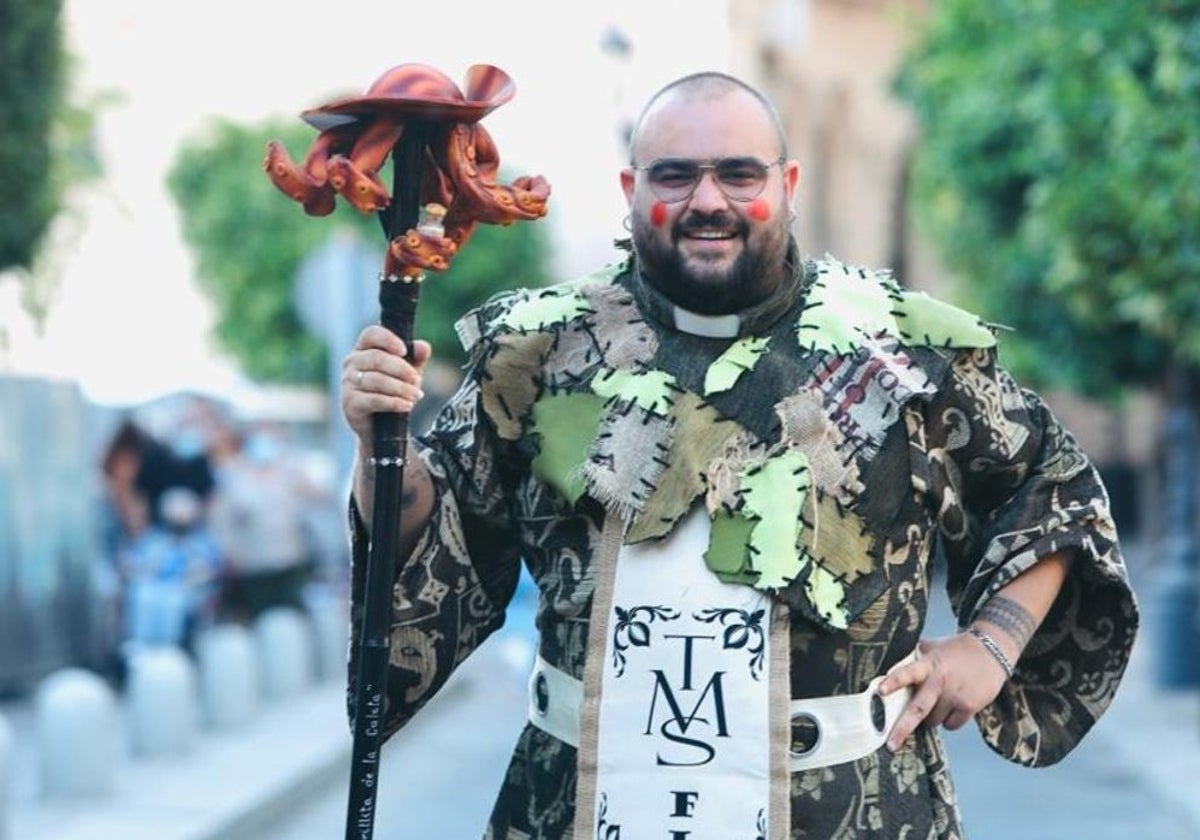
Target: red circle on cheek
point(658, 214)
point(759, 210)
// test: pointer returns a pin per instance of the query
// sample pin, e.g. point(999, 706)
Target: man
point(729, 468)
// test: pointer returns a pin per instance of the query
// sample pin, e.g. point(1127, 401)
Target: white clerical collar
point(750, 321)
point(706, 326)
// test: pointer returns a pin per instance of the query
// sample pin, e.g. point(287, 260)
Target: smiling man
point(728, 467)
point(719, 243)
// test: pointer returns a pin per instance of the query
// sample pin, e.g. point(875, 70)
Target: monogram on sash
point(683, 748)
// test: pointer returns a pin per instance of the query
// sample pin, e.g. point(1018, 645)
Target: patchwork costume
point(732, 522)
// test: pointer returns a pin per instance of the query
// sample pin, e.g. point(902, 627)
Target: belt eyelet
point(805, 734)
point(541, 694)
point(878, 713)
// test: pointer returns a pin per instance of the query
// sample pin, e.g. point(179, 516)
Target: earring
point(627, 224)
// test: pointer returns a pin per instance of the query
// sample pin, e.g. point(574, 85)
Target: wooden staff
point(389, 433)
point(419, 117)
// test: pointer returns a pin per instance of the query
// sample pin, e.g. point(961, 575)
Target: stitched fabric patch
point(741, 356)
point(827, 594)
point(773, 494)
point(862, 394)
point(511, 385)
point(921, 319)
point(699, 438)
point(544, 309)
point(830, 456)
point(565, 425)
point(728, 553)
point(649, 390)
point(627, 457)
point(844, 307)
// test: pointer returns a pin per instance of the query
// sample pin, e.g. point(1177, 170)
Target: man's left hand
point(952, 679)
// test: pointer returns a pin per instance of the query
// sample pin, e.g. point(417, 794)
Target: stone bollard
point(331, 627)
point(228, 665)
point(285, 652)
point(6, 776)
point(161, 700)
point(78, 734)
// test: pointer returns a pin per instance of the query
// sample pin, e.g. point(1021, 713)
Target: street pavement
point(284, 775)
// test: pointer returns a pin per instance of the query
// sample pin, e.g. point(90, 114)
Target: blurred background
point(172, 460)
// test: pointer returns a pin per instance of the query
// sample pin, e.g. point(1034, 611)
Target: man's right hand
point(376, 377)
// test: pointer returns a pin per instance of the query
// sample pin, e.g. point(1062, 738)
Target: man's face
point(718, 249)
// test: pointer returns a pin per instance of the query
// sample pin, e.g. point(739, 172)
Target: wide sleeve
point(450, 594)
point(1009, 486)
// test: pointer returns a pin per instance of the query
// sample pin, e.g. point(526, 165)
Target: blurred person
point(729, 467)
point(178, 459)
point(171, 572)
point(224, 446)
point(258, 519)
point(127, 509)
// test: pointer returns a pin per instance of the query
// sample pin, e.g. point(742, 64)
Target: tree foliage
point(1059, 173)
point(47, 147)
point(249, 240)
point(31, 90)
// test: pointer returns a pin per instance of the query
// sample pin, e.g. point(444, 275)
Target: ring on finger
point(359, 377)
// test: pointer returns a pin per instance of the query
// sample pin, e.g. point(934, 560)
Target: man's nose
point(708, 195)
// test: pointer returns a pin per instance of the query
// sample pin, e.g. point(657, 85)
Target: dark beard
point(749, 280)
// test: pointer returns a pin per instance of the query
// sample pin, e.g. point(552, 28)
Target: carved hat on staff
point(356, 135)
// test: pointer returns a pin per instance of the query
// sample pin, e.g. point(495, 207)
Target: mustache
point(719, 220)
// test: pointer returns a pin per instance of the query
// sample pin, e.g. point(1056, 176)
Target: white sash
point(683, 747)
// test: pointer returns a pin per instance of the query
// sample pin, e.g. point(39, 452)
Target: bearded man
point(728, 467)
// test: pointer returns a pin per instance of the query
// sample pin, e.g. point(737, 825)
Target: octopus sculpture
point(461, 161)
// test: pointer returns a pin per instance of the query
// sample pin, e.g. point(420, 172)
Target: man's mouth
point(715, 227)
point(710, 234)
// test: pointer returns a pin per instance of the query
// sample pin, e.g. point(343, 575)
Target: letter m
point(677, 716)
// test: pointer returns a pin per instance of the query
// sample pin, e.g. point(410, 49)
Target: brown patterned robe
point(918, 446)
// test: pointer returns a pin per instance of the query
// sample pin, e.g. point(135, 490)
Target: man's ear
point(791, 179)
point(627, 180)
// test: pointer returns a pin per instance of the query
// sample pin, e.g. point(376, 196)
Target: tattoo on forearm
point(1010, 617)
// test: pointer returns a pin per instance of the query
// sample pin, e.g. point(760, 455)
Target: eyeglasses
point(675, 179)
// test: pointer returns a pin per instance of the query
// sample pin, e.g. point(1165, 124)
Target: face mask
point(261, 449)
point(188, 443)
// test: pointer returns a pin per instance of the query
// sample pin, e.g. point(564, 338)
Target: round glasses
point(675, 179)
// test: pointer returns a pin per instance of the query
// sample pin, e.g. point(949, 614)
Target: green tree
point(46, 143)
point(1059, 173)
point(31, 86)
point(249, 241)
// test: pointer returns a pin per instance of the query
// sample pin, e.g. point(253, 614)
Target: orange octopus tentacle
point(307, 184)
point(355, 177)
point(415, 252)
point(366, 193)
point(472, 161)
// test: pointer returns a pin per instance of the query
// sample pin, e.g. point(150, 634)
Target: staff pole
point(398, 308)
point(436, 126)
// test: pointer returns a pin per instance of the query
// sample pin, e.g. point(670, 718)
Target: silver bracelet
point(994, 649)
point(385, 462)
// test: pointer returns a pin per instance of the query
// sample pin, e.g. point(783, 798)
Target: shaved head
point(707, 86)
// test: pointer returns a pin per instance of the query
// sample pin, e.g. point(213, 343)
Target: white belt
point(825, 730)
